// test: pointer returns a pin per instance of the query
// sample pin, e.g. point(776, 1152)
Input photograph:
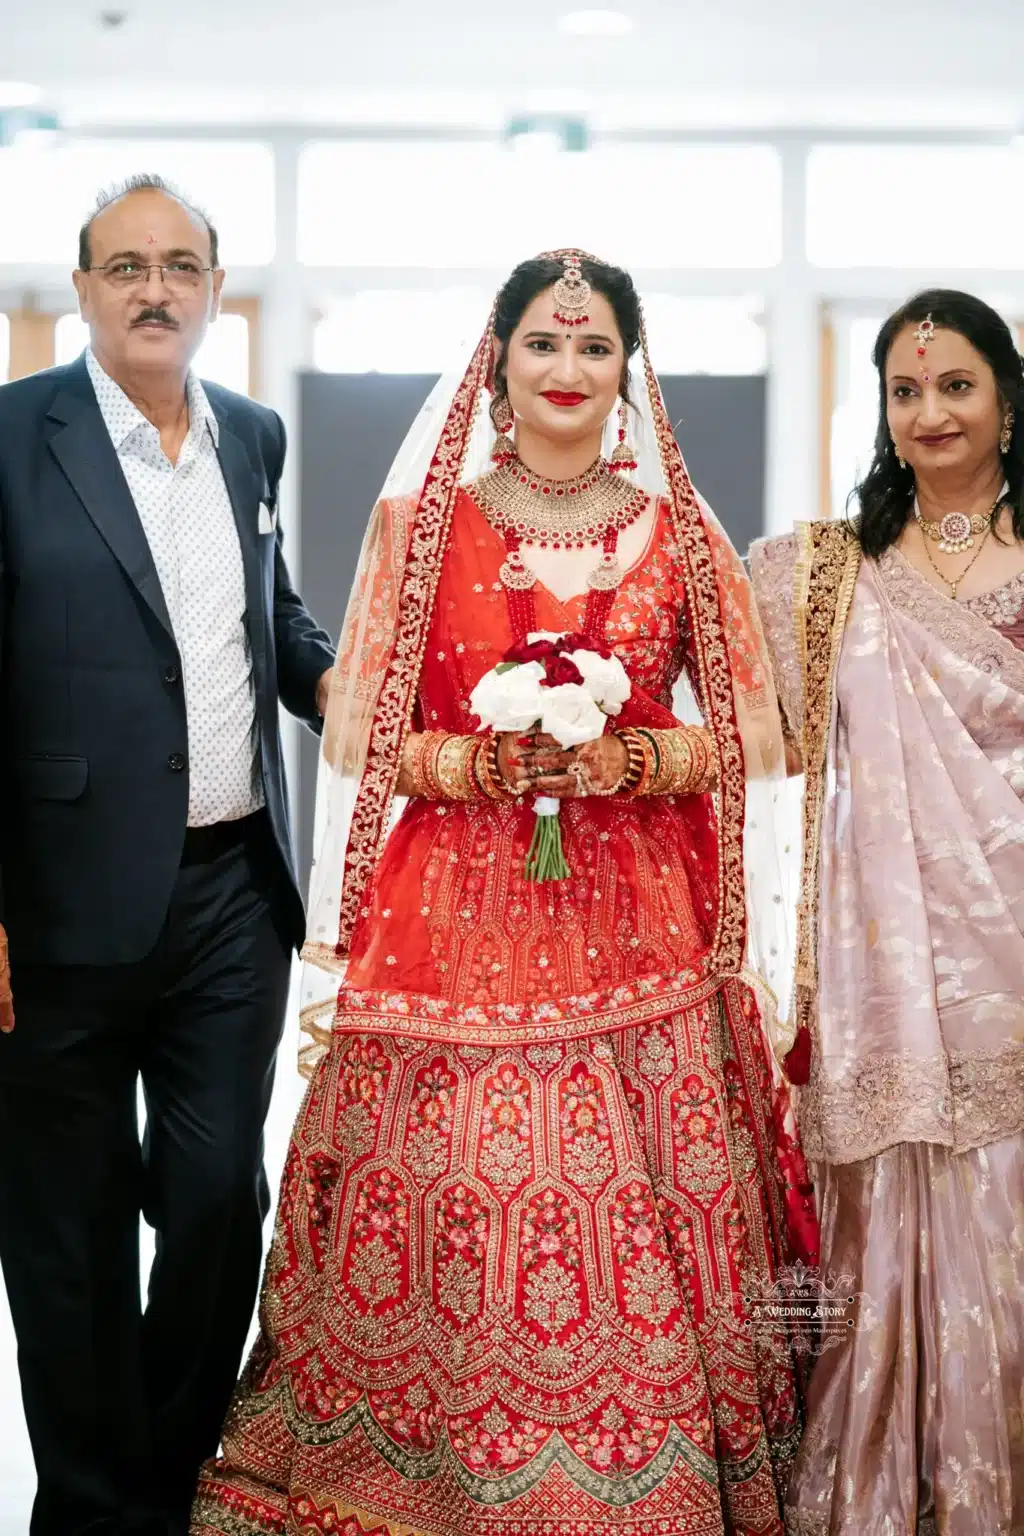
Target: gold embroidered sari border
point(828, 560)
point(960, 1100)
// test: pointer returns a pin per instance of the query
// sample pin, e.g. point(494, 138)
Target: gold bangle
point(423, 783)
point(640, 750)
point(688, 762)
point(488, 774)
point(453, 766)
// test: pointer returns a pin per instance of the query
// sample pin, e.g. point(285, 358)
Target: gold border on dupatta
point(428, 541)
point(827, 563)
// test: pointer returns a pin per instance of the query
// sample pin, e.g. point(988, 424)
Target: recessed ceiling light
point(595, 24)
point(18, 93)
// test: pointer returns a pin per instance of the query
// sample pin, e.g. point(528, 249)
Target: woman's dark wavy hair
point(886, 493)
point(533, 277)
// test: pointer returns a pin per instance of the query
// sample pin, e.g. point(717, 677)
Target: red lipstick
point(933, 440)
point(558, 397)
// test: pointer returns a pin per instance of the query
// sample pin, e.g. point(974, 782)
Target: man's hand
point(323, 692)
point(6, 1003)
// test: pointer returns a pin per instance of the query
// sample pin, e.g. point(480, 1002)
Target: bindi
point(151, 239)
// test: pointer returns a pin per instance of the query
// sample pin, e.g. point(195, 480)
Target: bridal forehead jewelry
point(572, 292)
point(924, 334)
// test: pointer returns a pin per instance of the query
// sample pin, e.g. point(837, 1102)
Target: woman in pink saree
point(898, 647)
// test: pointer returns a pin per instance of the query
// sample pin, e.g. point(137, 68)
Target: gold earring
point(1006, 436)
point(504, 421)
point(900, 460)
point(623, 456)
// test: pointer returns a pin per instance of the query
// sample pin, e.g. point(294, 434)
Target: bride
point(545, 1151)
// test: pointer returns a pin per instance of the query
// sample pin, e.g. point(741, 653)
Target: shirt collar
point(122, 416)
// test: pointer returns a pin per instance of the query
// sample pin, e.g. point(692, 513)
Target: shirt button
point(171, 675)
point(176, 762)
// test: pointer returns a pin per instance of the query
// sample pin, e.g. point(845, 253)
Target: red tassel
point(797, 1063)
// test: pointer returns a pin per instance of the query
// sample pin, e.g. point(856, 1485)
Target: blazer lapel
point(84, 451)
point(244, 488)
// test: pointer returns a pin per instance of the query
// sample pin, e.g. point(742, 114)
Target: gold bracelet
point(641, 752)
point(689, 764)
point(488, 774)
point(708, 777)
point(453, 766)
point(424, 784)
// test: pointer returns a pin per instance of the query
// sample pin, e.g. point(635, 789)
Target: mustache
point(155, 312)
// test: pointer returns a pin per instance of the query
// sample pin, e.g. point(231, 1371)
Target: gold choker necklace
point(560, 514)
point(955, 533)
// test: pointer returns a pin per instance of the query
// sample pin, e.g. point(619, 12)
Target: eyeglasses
point(180, 275)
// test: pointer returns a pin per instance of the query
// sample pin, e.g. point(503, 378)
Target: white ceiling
point(933, 63)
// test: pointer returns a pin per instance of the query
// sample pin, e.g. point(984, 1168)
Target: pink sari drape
point(915, 1108)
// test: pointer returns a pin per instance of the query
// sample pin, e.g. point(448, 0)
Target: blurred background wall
point(777, 176)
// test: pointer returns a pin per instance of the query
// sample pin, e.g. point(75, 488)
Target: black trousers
point(123, 1403)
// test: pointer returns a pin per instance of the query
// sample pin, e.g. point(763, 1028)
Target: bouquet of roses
point(565, 685)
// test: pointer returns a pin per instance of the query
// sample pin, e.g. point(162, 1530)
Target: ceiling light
point(18, 93)
point(595, 24)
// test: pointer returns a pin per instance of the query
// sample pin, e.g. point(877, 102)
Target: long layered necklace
point(955, 534)
point(592, 508)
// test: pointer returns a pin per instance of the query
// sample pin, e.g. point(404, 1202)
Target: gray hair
point(143, 183)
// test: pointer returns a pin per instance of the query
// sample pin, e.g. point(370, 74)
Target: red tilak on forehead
point(151, 239)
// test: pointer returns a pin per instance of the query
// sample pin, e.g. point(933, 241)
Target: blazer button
point(171, 675)
point(176, 762)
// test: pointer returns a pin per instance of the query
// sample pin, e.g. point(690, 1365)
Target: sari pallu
point(540, 1161)
point(913, 906)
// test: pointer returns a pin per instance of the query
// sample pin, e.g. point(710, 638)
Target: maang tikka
point(572, 293)
point(925, 334)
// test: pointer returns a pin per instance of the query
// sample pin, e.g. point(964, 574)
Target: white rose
point(544, 634)
point(570, 715)
point(605, 679)
point(511, 700)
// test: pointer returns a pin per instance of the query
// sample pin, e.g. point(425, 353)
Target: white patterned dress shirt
point(186, 515)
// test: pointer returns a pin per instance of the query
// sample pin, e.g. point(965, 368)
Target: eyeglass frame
point(146, 267)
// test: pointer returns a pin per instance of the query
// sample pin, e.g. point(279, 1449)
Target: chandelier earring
point(623, 456)
point(900, 460)
point(1006, 436)
point(504, 421)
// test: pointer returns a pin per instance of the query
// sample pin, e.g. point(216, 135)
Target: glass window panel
point(914, 205)
point(222, 358)
point(400, 330)
point(701, 335)
point(5, 348)
point(486, 205)
point(855, 416)
point(54, 188)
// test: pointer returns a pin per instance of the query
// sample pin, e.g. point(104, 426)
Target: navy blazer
point(93, 734)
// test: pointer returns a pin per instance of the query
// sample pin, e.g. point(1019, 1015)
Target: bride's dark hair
point(541, 272)
point(886, 493)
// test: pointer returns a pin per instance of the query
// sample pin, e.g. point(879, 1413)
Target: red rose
point(524, 651)
point(581, 642)
point(558, 670)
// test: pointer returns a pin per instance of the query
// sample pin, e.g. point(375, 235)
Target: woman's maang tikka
point(572, 293)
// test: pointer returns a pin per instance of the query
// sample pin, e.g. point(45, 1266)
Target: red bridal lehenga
point(543, 1152)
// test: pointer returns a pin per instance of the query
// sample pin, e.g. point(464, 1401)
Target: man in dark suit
point(148, 629)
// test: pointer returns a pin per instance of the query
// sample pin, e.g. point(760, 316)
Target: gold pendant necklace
point(558, 514)
point(954, 533)
point(953, 584)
